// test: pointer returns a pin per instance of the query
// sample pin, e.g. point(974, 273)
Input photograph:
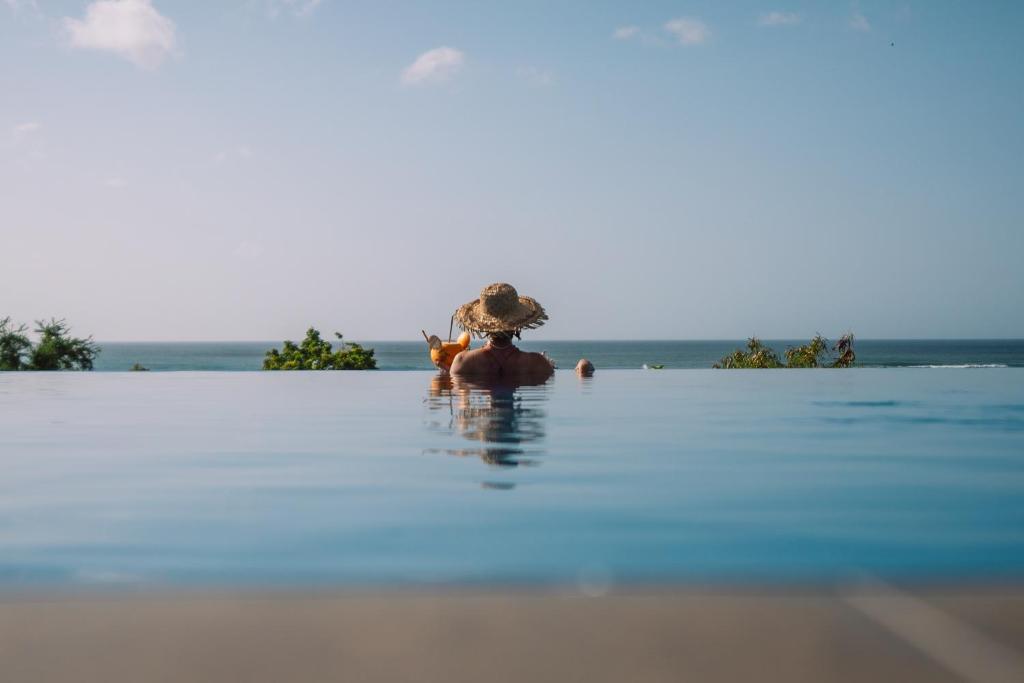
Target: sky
point(243, 169)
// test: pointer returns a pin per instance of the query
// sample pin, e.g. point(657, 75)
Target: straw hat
point(500, 309)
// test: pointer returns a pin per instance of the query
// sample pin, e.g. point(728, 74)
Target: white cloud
point(240, 152)
point(779, 19)
point(132, 29)
point(248, 250)
point(688, 31)
point(541, 78)
point(858, 22)
point(434, 66)
point(17, 5)
point(300, 8)
point(626, 32)
point(23, 129)
point(116, 183)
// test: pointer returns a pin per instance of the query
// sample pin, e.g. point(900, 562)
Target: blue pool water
point(400, 478)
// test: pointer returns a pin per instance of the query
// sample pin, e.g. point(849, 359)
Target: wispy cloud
point(626, 32)
point(248, 250)
point(22, 130)
point(434, 66)
point(131, 29)
point(26, 140)
point(239, 152)
point(858, 22)
point(17, 5)
point(115, 183)
point(688, 31)
point(300, 8)
point(779, 19)
point(540, 78)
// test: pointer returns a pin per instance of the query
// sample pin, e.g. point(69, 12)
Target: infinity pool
point(403, 479)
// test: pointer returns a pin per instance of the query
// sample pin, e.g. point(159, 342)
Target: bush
point(55, 350)
point(814, 354)
point(315, 353)
point(809, 355)
point(757, 355)
point(14, 346)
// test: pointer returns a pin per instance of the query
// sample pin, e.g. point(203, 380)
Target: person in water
point(501, 314)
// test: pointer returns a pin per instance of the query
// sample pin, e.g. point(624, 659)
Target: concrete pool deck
point(862, 633)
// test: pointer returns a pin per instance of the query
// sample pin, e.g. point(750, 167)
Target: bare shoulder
point(537, 364)
point(467, 361)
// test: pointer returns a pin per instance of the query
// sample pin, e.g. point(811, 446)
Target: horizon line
point(630, 341)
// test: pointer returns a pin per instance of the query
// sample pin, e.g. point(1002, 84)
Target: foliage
point(808, 355)
point(815, 354)
point(55, 350)
point(14, 345)
point(139, 368)
point(844, 347)
point(757, 355)
point(315, 353)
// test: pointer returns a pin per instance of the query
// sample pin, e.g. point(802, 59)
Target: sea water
point(412, 355)
point(404, 478)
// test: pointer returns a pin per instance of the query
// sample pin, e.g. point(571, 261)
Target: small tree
point(14, 346)
point(315, 353)
point(844, 347)
point(55, 350)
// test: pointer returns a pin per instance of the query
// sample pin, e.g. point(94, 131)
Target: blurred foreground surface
point(873, 633)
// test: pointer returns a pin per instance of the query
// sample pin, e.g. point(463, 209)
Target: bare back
point(502, 363)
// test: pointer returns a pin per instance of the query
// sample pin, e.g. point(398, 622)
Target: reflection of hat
point(500, 309)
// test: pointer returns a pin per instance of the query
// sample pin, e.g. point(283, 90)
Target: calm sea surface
point(400, 478)
point(604, 354)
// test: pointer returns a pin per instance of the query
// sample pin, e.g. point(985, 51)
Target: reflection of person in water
point(497, 415)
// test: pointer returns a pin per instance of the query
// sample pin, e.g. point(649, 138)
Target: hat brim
point(527, 315)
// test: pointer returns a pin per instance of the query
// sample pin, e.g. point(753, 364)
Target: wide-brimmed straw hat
point(500, 309)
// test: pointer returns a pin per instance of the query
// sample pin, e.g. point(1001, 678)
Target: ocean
point(684, 354)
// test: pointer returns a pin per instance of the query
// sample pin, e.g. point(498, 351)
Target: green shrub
point(14, 346)
point(315, 353)
point(757, 355)
point(809, 355)
point(814, 354)
point(55, 350)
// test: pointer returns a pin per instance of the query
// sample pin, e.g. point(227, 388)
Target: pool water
point(354, 479)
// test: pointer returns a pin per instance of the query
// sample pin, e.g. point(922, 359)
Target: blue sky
point(240, 170)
